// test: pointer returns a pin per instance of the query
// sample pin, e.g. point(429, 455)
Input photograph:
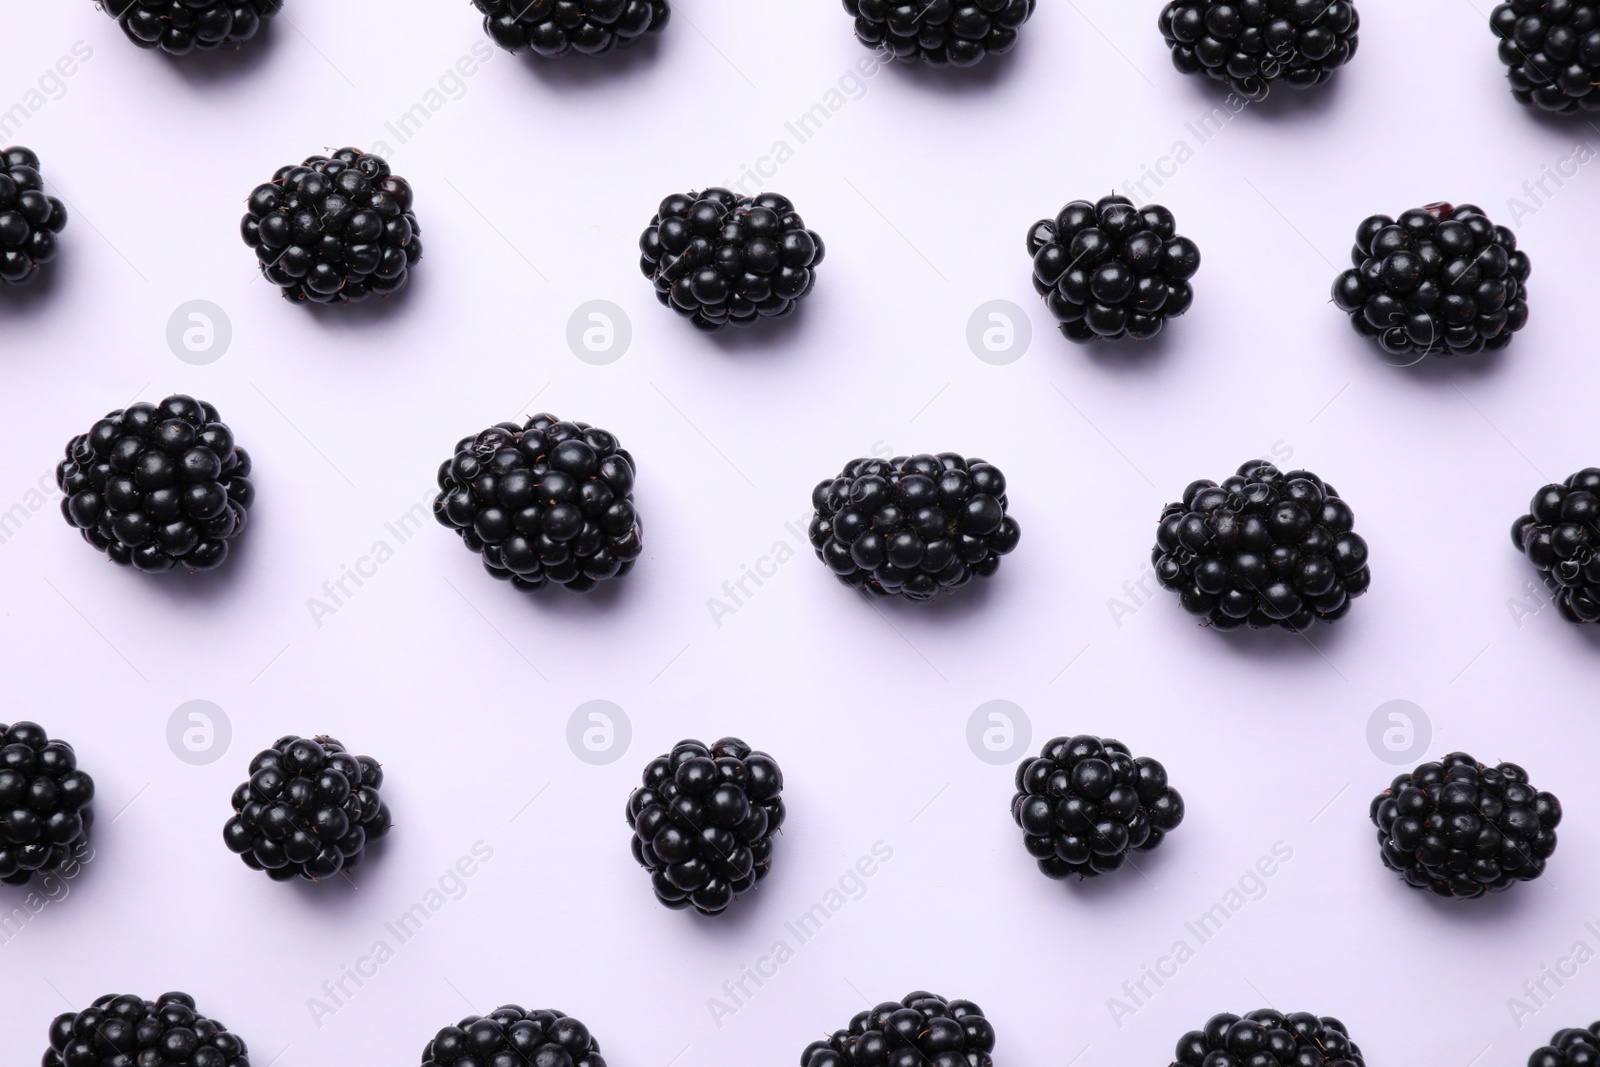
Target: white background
point(531, 189)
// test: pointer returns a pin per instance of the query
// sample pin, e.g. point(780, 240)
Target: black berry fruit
point(547, 501)
point(308, 810)
point(29, 218)
point(158, 486)
point(923, 1030)
point(334, 230)
point(1266, 1038)
point(1551, 51)
point(1569, 1048)
point(1249, 44)
point(124, 1031)
point(1459, 829)
point(957, 33)
point(45, 810)
point(1084, 804)
point(913, 525)
point(509, 1036)
point(703, 822)
point(1110, 270)
point(1560, 535)
point(556, 27)
point(1441, 280)
point(1264, 548)
point(183, 26)
point(720, 259)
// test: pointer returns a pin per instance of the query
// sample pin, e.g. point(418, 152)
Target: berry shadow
point(1489, 911)
point(1127, 356)
point(1431, 370)
point(970, 599)
point(771, 338)
point(1274, 645)
point(188, 586)
point(21, 302)
point(1288, 104)
point(225, 64)
point(344, 888)
point(584, 72)
point(363, 314)
point(1140, 874)
point(605, 598)
point(987, 76)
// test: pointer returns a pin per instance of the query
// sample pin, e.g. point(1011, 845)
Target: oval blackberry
point(1267, 1037)
point(1440, 280)
point(720, 259)
point(158, 486)
point(29, 218)
point(1560, 536)
point(45, 810)
point(703, 822)
point(1109, 270)
point(912, 525)
point(923, 1030)
point(119, 1031)
point(1459, 829)
point(511, 1035)
point(956, 33)
point(1569, 1048)
point(1551, 52)
point(547, 501)
point(1249, 44)
point(555, 27)
point(334, 230)
point(179, 27)
point(1265, 548)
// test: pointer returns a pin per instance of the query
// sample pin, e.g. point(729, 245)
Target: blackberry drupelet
point(121, 1031)
point(923, 1030)
point(1084, 804)
point(547, 501)
point(45, 810)
point(179, 27)
point(1440, 280)
point(912, 526)
point(158, 486)
point(1569, 1048)
point(703, 822)
point(29, 218)
point(1249, 44)
point(1551, 49)
point(1459, 829)
point(555, 27)
point(1268, 1037)
point(308, 810)
point(334, 230)
point(510, 1035)
point(1110, 270)
point(1264, 548)
point(719, 259)
point(955, 33)
point(1560, 535)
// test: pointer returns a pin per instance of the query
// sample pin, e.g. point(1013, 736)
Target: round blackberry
point(719, 259)
point(158, 486)
point(29, 219)
point(912, 525)
point(547, 501)
point(1560, 535)
point(45, 810)
point(1551, 49)
point(1441, 280)
point(1249, 44)
point(179, 27)
point(511, 1035)
point(1459, 829)
point(703, 822)
point(1268, 1037)
point(1109, 270)
point(120, 1031)
point(555, 27)
point(1264, 548)
point(923, 1030)
point(1084, 804)
point(334, 230)
point(1569, 1048)
point(308, 810)
point(956, 33)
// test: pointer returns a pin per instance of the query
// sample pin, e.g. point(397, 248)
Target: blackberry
point(512, 1035)
point(1109, 270)
point(1084, 804)
point(334, 230)
point(308, 810)
point(1249, 44)
point(1441, 280)
point(45, 810)
point(1268, 1037)
point(703, 822)
point(956, 33)
point(158, 486)
point(719, 259)
point(119, 1031)
point(1560, 535)
point(1551, 49)
point(555, 27)
point(1569, 1048)
point(29, 218)
point(923, 1030)
point(179, 27)
point(547, 501)
point(912, 525)
point(1459, 829)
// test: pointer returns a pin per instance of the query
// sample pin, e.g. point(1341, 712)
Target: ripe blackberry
point(956, 33)
point(334, 230)
point(719, 259)
point(703, 822)
point(1459, 829)
point(309, 809)
point(158, 486)
point(1249, 44)
point(1084, 804)
point(1264, 548)
point(912, 525)
point(1569, 1048)
point(1268, 1037)
point(547, 501)
point(29, 218)
point(923, 1030)
point(556, 27)
point(1441, 280)
point(1551, 49)
point(1109, 270)
point(511, 1035)
point(45, 810)
point(179, 27)
point(120, 1031)
point(1560, 535)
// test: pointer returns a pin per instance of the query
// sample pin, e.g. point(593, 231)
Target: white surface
point(531, 189)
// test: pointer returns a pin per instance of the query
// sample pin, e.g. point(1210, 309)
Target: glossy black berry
point(45, 809)
point(510, 1036)
point(1264, 548)
point(923, 1030)
point(1561, 535)
point(183, 26)
point(1440, 280)
point(1250, 44)
point(720, 259)
point(1266, 1038)
point(125, 1031)
point(1551, 49)
point(1459, 829)
point(555, 27)
point(1109, 270)
point(956, 33)
point(547, 501)
point(158, 486)
point(334, 230)
point(29, 218)
point(913, 525)
point(1569, 1048)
